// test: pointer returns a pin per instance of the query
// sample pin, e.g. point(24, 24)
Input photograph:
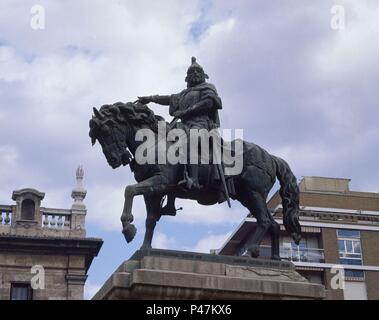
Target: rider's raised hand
point(144, 100)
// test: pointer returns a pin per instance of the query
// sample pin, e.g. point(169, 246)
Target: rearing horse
point(115, 127)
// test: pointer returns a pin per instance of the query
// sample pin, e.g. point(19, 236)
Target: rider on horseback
point(116, 126)
point(197, 108)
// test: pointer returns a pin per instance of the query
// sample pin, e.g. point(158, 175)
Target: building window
point(28, 208)
point(21, 291)
point(350, 251)
point(348, 234)
point(306, 251)
point(349, 248)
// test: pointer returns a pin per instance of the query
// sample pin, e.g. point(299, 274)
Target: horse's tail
point(289, 192)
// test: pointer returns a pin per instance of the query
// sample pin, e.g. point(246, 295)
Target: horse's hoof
point(129, 232)
point(253, 251)
point(146, 247)
point(275, 257)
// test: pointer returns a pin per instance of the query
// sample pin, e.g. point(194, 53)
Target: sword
point(173, 122)
point(222, 176)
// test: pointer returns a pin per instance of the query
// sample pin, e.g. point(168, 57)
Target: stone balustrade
point(5, 215)
point(26, 217)
point(56, 219)
point(46, 222)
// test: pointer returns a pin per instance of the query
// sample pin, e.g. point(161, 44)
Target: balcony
point(296, 254)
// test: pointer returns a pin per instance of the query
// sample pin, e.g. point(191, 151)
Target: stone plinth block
point(165, 274)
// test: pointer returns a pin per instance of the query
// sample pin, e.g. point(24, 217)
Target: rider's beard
point(194, 80)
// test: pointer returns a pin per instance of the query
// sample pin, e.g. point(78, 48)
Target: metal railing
point(296, 253)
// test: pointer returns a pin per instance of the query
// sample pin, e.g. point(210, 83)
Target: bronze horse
point(115, 127)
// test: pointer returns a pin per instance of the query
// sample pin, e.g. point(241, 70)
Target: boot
point(193, 179)
point(169, 209)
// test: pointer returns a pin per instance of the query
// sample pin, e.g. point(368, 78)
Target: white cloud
point(353, 50)
point(162, 241)
point(12, 68)
point(212, 241)
point(105, 205)
point(307, 157)
point(8, 156)
point(8, 164)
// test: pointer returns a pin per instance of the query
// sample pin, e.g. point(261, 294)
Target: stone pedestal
point(165, 274)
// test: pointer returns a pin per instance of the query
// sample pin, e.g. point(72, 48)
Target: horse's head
point(109, 127)
point(115, 126)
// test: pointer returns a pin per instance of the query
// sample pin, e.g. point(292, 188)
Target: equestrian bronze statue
point(117, 126)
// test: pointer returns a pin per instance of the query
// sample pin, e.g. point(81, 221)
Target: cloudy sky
point(298, 87)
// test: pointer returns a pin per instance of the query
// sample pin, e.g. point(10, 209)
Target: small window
point(355, 274)
point(350, 248)
point(343, 233)
point(349, 261)
point(28, 208)
point(21, 291)
point(350, 251)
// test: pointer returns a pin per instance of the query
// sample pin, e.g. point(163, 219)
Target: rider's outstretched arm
point(163, 100)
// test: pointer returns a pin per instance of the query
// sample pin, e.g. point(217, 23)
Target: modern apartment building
point(340, 244)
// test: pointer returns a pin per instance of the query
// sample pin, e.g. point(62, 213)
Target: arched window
point(28, 208)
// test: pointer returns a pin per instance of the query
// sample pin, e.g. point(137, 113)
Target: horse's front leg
point(151, 186)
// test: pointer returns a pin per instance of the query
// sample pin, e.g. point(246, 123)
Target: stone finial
point(79, 177)
point(79, 193)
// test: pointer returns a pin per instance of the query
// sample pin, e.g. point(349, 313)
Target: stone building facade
point(340, 235)
point(44, 252)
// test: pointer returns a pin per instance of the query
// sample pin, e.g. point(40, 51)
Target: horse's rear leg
point(275, 232)
point(257, 206)
point(153, 205)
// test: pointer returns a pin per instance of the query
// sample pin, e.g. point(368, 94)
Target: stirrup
point(165, 211)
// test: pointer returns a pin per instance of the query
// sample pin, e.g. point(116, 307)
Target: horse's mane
point(135, 113)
